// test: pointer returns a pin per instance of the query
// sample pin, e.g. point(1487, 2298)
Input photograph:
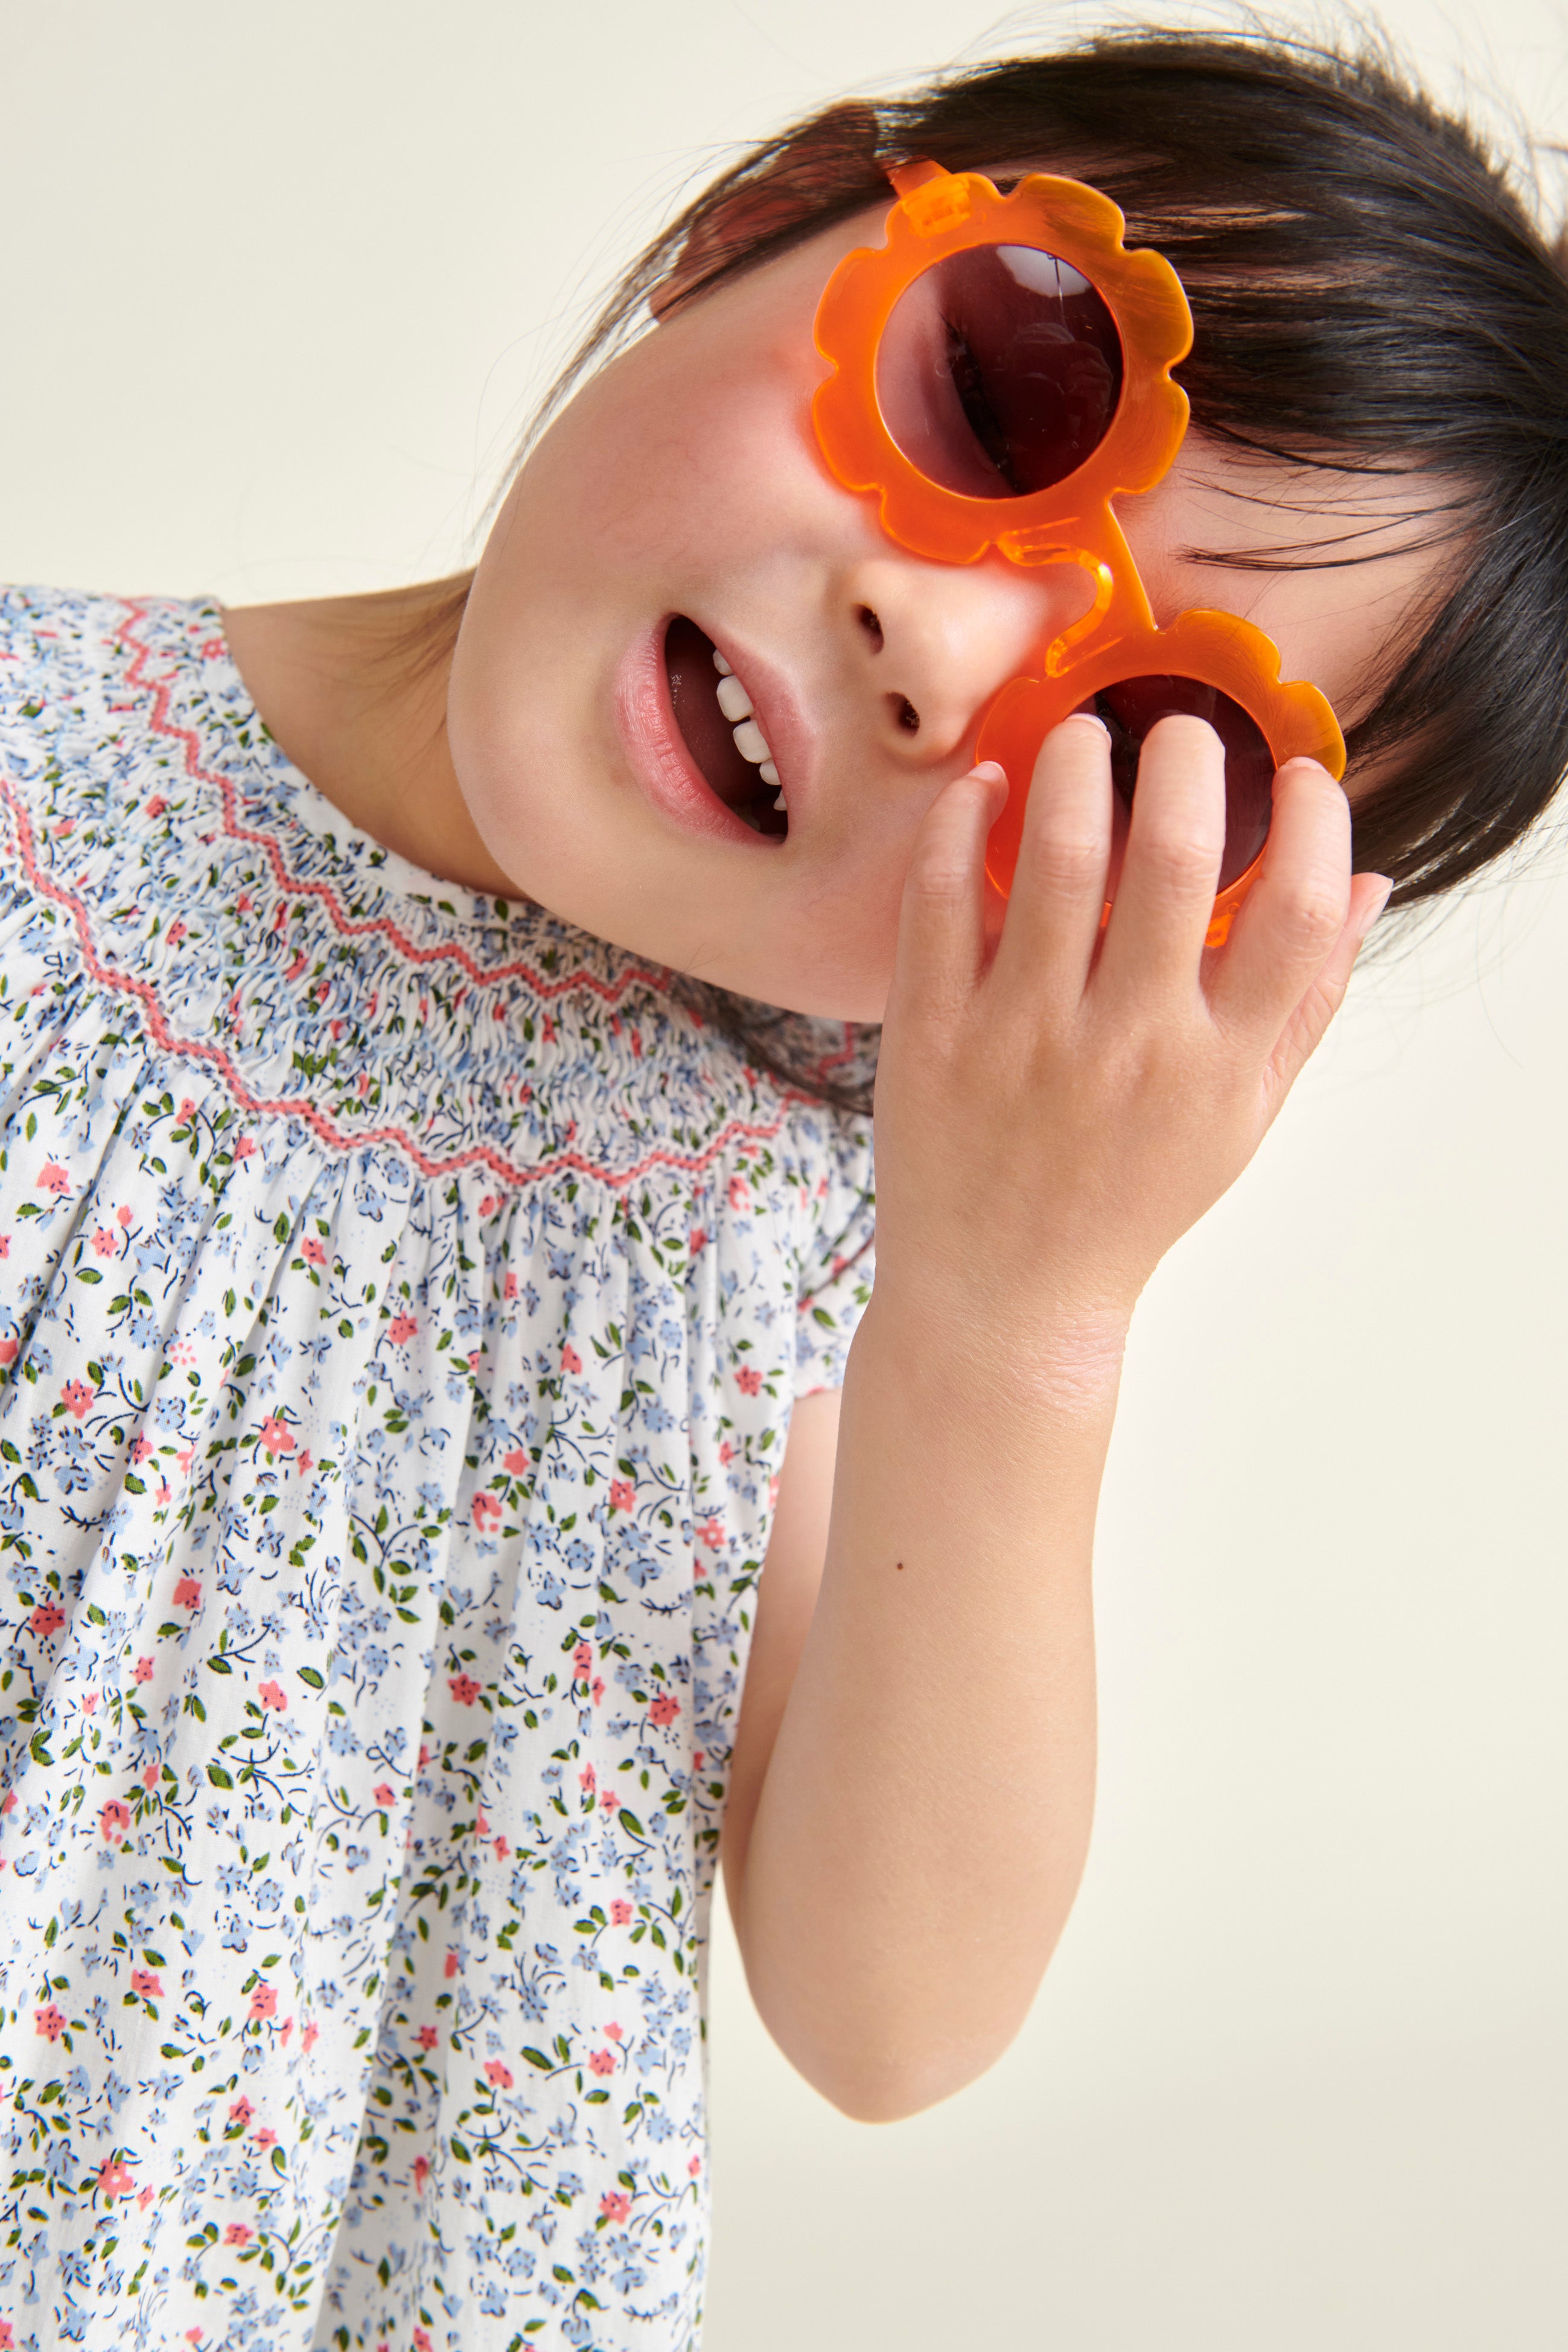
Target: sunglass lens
point(999, 372)
point(1130, 710)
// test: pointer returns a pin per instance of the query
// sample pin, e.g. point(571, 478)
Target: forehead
point(1335, 563)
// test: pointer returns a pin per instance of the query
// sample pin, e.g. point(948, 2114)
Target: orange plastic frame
point(940, 213)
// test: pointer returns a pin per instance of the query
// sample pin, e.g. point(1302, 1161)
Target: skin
point(1053, 1110)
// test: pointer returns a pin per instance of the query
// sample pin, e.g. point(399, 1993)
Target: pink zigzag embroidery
point(198, 1049)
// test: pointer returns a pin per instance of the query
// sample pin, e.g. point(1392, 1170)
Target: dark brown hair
point(1368, 291)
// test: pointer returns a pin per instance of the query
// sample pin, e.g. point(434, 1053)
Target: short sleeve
point(838, 1263)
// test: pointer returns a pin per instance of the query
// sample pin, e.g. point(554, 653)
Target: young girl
point(436, 1206)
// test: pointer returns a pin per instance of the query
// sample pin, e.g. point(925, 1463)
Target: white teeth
point(751, 743)
point(719, 664)
point(781, 802)
point(733, 700)
point(736, 705)
point(768, 772)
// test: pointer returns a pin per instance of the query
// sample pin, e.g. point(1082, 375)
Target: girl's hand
point(1053, 1108)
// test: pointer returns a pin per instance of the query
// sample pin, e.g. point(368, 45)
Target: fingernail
point(988, 768)
point(1375, 909)
point(1094, 720)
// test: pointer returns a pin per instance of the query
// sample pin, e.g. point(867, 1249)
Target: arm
point(1052, 1112)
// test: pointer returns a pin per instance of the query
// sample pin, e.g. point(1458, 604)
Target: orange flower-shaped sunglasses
point(1001, 371)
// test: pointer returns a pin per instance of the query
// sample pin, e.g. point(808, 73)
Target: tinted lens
point(1131, 708)
point(999, 372)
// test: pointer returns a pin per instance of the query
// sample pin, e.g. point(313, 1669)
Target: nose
point(930, 644)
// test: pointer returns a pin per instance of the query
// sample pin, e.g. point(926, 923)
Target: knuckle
point(1313, 915)
point(1069, 863)
point(1185, 861)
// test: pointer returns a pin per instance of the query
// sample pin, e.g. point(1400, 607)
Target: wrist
point(1056, 1354)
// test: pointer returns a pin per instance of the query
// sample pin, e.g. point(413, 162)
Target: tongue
point(688, 658)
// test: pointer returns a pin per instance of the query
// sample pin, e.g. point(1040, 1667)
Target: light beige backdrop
point(278, 285)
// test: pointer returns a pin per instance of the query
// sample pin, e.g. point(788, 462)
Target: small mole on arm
point(897, 1563)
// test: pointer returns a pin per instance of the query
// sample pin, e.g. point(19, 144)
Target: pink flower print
point(726, 1454)
point(8, 2341)
point(273, 1695)
point(7, 1346)
point(402, 1328)
point(516, 1461)
point(89, 1702)
point(612, 2032)
point(426, 2037)
point(615, 2205)
point(711, 1532)
point(123, 1215)
point(464, 1688)
point(263, 2002)
point(482, 1822)
point(241, 2112)
point(510, 1289)
point(697, 1760)
point(114, 2176)
point(144, 1670)
point(623, 1493)
point(114, 1819)
point(581, 1658)
point(275, 1434)
point(48, 2022)
point(421, 2334)
point(310, 2035)
point(740, 1194)
point(54, 1180)
point(570, 1361)
point(148, 1983)
point(665, 1708)
point(157, 804)
point(697, 1240)
point(184, 1457)
point(420, 2175)
point(500, 2075)
point(146, 2196)
point(501, 1849)
point(489, 1204)
point(694, 2166)
point(453, 1964)
point(264, 2140)
point(46, 1618)
point(187, 1594)
point(587, 1777)
point(312, 1252)
point(187, 1108)
point(150, 1777)
point(748, 1380)
point(608, 1801)
point(304, 1459)
point(104, 1242)
point(487, 1513)
point(383, 1794)
point(244, 1146)
point(598, 1688)
point(238, 2233)
point(621, 1913)
point(603, 2062)
point(9, 1803)
point(141, 1449)
point(77, 1398)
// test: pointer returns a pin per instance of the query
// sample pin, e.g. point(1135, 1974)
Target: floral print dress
point(402, 1299)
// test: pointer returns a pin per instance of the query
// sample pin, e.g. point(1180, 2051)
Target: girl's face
point(680, 505)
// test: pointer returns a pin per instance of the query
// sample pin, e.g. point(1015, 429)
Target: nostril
point(871, 625)
point(904, 712)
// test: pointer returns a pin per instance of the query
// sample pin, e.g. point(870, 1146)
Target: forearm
point(923, 1822)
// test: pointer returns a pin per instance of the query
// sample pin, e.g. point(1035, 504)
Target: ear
point(831, 159)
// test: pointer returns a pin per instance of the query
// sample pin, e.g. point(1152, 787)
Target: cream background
point(278, 285)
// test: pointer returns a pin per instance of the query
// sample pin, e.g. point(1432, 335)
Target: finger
point(941, 921)
point(1303, 1030)
point(1175, 839)
point(1058, 886)
point(1296, 911)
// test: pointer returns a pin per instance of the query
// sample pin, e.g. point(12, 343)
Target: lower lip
point(657, 751)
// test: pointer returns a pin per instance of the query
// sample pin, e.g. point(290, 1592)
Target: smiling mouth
point(713, 711)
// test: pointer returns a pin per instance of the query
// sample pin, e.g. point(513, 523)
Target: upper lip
point(775, 706)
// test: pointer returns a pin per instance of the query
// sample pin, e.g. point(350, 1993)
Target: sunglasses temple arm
point(1114, 575)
